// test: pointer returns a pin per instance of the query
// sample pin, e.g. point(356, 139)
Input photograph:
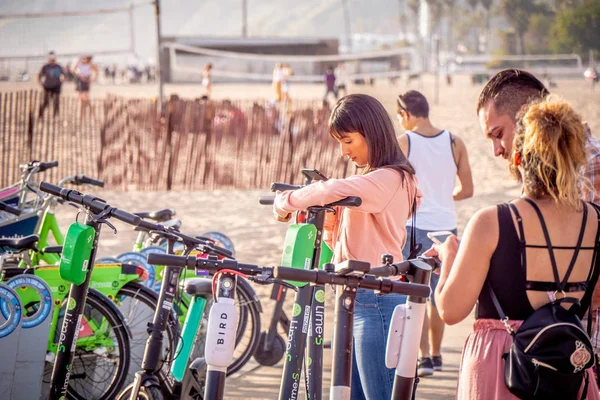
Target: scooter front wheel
point(145, 393)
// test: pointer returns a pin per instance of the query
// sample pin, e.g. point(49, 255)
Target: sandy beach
point(258, 238)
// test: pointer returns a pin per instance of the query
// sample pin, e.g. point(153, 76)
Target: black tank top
point(508, 267)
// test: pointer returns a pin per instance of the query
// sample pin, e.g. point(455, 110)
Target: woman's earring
point(517, 159)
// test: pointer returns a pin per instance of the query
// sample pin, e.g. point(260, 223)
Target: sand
point(258, 238)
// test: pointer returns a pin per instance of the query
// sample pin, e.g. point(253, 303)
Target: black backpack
point(551, 352)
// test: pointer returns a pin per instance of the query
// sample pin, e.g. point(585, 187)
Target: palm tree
point(414, 6)
point(518, 12)
point(487, 4)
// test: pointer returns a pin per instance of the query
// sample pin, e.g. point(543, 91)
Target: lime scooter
point(349, 276)
point(304, 249)
point(77, 262)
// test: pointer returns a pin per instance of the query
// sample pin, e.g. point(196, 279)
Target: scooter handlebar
point(266, 200)
point(275, 186)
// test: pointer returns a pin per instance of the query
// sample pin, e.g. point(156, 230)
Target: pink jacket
point(363, 233)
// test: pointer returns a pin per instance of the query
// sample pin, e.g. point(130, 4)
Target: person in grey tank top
point(439, 158)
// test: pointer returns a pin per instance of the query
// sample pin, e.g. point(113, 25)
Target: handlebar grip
point(47, 165)
point(385, 270)
point(293, 274)
point(147, 225)
point(126, 217)
point(283, 187)
point(391, 270)
point(219, 250)
point(54, 190)
point(171, 260)
point(411, 289)
point(9, 209)
point(81, 179)
point(350, 201)
point(266, 200)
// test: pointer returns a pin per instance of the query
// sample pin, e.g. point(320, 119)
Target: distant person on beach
point(388, 189)
point(85, 72)
point(593, 75)
point(286, 73)
point(277, 82)
point(207, 79)
point(438, 157)
point(51, 77)
point(342, 79)
point(517, 250)
point(330, 83)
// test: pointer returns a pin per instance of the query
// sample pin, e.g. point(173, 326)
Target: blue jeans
point(427, 243)
point(371, 379)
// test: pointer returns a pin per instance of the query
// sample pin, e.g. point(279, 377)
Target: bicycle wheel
point(138, 304)
point(101, 361)
point(145, 393)
point(248, 328)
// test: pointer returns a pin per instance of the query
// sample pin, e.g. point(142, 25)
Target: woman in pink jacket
point(388, 188)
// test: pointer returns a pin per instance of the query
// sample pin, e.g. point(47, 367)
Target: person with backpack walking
point(439, 158)
point(531, 267)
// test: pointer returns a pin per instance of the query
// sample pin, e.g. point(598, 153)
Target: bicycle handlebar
point(287, 273)
point(38, 165)
point(93, 203)
point(42, 166)
point(82, 179)
point(194, 241)
point(9, 209)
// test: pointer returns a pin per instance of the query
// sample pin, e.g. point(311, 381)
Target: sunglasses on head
point(401, 104)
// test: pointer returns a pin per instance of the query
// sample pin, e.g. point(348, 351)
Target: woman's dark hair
point(364, 114)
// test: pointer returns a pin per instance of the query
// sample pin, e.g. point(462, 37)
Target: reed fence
point(192, 145)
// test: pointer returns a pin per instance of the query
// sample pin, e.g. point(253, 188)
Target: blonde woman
point(512, 247)
point(277, 82)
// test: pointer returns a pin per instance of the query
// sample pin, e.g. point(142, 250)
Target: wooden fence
point(194, 145)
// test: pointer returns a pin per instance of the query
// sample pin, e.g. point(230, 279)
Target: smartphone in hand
point(439, 237)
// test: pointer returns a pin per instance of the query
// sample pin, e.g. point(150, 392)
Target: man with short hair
point(499, 103)
point(439, 157)
point(51, 77)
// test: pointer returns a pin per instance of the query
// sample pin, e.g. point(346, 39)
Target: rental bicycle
point(77, 263)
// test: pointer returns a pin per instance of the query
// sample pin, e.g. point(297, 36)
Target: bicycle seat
point(22, 243)
point(197, 286)
point(158, 215)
